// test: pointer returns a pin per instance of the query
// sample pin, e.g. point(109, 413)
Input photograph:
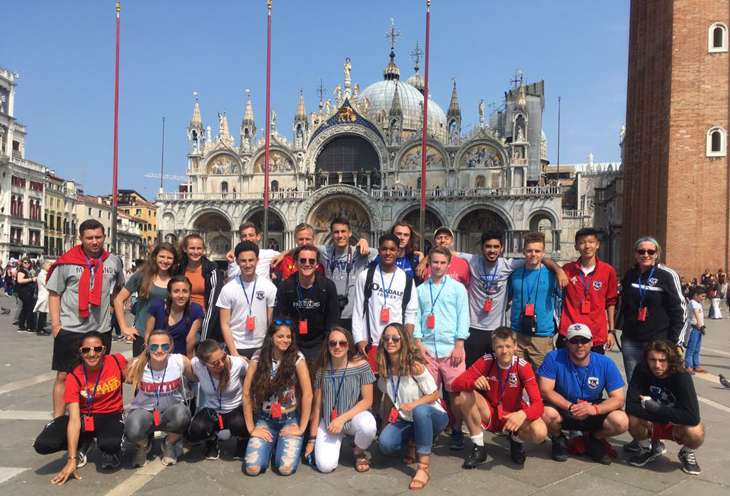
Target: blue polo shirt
point(538, 287)
point(581, 383)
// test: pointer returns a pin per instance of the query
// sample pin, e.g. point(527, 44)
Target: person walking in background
point(697, 324)
point(25, 288)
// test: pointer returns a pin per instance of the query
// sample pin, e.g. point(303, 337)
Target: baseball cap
point(443, 228)
point(579, 330)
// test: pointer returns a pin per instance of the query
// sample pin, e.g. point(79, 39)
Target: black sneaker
point(632, 447)
point(646, 455)
point(478, 455)
point(240, 451)
point(597, 450)
point(689, 462)
point(111, 460)
point(517, 451)
point(211, 450)
point(82, 453)
point(559, 451)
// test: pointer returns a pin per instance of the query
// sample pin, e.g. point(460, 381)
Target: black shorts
point(589, 424)
point(66, 354)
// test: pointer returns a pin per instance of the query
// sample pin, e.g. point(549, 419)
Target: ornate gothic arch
point(272, 148)
point(258, 208)
point(492, 207)
point(545, 212)
point(341, 190)
point(194, 216)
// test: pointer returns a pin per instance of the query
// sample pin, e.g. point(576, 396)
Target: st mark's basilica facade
point(359, 157)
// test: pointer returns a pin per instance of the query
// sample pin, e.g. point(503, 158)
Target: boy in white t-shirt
point(697, 323)
point(246, 304)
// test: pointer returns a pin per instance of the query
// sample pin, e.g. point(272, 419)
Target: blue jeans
point(631, 351)
point(692, 354)
point(258, 451)
point(428, 421)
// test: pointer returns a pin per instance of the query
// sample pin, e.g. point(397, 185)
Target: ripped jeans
point(288, 448)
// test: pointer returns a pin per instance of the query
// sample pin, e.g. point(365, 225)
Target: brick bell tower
point(675, 165)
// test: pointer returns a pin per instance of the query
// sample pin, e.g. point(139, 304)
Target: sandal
point(362, 463)
point(416, 483)
point(410, 456)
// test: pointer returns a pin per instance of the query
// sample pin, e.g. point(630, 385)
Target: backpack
point(369, 292)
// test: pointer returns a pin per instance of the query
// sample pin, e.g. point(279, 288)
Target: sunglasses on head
point(645, 252)
point(282, 321)
point(579, 340)
point(387, 338)
point(334, 343)
point(307, 261)
point(155, 347)
point(88, 349)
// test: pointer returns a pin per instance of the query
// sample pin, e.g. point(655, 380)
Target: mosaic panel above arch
point(412, 159)
point(223, 164)
point(340, 206)
point(481, 155)
point(278, 162)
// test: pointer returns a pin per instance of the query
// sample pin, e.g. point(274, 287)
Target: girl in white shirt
point(415, 416)
point(221, 379)
point(157, 376)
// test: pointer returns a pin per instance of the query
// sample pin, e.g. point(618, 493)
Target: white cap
point(579, 330)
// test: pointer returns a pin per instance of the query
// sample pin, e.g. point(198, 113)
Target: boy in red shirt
point(591, 294)
point(501, 378)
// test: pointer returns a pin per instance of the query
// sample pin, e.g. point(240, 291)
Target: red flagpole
point(268, 129)
point(116, 141)
point(425, 131)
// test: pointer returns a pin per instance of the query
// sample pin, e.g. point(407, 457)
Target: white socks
point(478, 439)
point(645, 443)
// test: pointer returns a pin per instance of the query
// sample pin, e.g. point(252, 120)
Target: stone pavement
point(25, 404)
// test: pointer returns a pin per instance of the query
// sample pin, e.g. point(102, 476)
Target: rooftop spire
point(196, 119)
point(391, 70)
point(454, 103)
point(395, 106)
point(301, 111)
point(248, 115)
point(416, 80)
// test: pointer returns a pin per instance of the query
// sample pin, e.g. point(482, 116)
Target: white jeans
point(717, 314)
point(327, 445)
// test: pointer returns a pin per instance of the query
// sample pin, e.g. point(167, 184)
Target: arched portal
point(348, 160)
point(213, 226)
point(541, 222)
point(340, 206)
point(472, 225)
point(276, 229)
point(432, 223)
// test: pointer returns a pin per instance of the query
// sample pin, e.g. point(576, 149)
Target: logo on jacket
point(653, 281)
point(260, 295)
point(593, 382)
point(513, 379)
point(597, 285)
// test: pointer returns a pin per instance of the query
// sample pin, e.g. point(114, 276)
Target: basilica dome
point(381, 94)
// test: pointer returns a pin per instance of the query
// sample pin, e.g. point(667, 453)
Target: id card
point(156, 415)
point(302, 327)
point(385, 315)
point(250, 323)
point(393, 415)
point(88, 423)
point(431, 321)
point(641, 317)
point(530, 309)
point(585, 307)
point(488, 305)
point(276, 410)
point(500, 412)
point(220, 421)
point(333, 415)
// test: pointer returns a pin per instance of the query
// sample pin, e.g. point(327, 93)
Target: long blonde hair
point(135, 369)
point(410, 355)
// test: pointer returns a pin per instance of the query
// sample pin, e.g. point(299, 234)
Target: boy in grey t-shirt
point(81, 285)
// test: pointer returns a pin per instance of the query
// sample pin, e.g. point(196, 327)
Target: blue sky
point(64, 52)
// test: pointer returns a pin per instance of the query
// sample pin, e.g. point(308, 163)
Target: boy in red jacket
point(501, 377)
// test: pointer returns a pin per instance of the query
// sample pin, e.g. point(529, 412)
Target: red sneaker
point(700, 370)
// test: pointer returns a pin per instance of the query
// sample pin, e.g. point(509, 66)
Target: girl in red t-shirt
point(94, 396)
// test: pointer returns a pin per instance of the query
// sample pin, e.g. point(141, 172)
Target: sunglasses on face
point(307, 261)
point(281, 322)
point(387, 338)
point(579, 341)
point(155, 347)
point(88, 349)
point(215, 364)
point(646, 252)
point(334, 343)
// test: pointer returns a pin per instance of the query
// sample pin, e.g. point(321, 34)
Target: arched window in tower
point(717, 39)
point(418, 184)
point(716, 142)
point(274, 185)
point(195, 141)
point(453, 127)
point(13, 206)
point(224, 187)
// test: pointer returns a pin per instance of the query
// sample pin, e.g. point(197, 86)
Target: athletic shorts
point(589, 424)
point(441, 368)
point(66, 349)
point(663, 431)
point(495, 425)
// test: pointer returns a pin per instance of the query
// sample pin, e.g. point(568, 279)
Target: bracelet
point(71, 457)
point(570, 408)
point(311, 441)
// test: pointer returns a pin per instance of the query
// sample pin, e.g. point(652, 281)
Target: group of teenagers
point(288, 352)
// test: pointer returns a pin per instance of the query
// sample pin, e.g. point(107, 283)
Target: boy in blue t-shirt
point(572, 381)
point(533, 289)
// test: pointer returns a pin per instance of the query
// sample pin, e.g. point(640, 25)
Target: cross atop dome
point(393, 34)
point(416, 54)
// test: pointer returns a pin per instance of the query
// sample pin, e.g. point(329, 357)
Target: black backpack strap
point(77, 379)
point(414, 264)
point(121, 372)
point(406, 296)
point(367, 293)
point(320, 281)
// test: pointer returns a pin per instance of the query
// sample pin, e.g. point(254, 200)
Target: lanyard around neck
point(90, 398)
point(154, 384)
point(253, 292)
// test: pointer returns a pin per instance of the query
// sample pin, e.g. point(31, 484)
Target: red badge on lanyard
point(488, 305)
point(585, 307)
point(276, 410)
point(88, 423)
point(302, 327)
point(220, 421)
point(642, 315)
point(156, 415)
point(250, 323)
point(431, 321)
point(500, 412)
point(334, 414)
point(529, 309)
point(385, 315)
point(393, 416)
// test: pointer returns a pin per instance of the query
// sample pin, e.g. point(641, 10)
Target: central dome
point(380, 95)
